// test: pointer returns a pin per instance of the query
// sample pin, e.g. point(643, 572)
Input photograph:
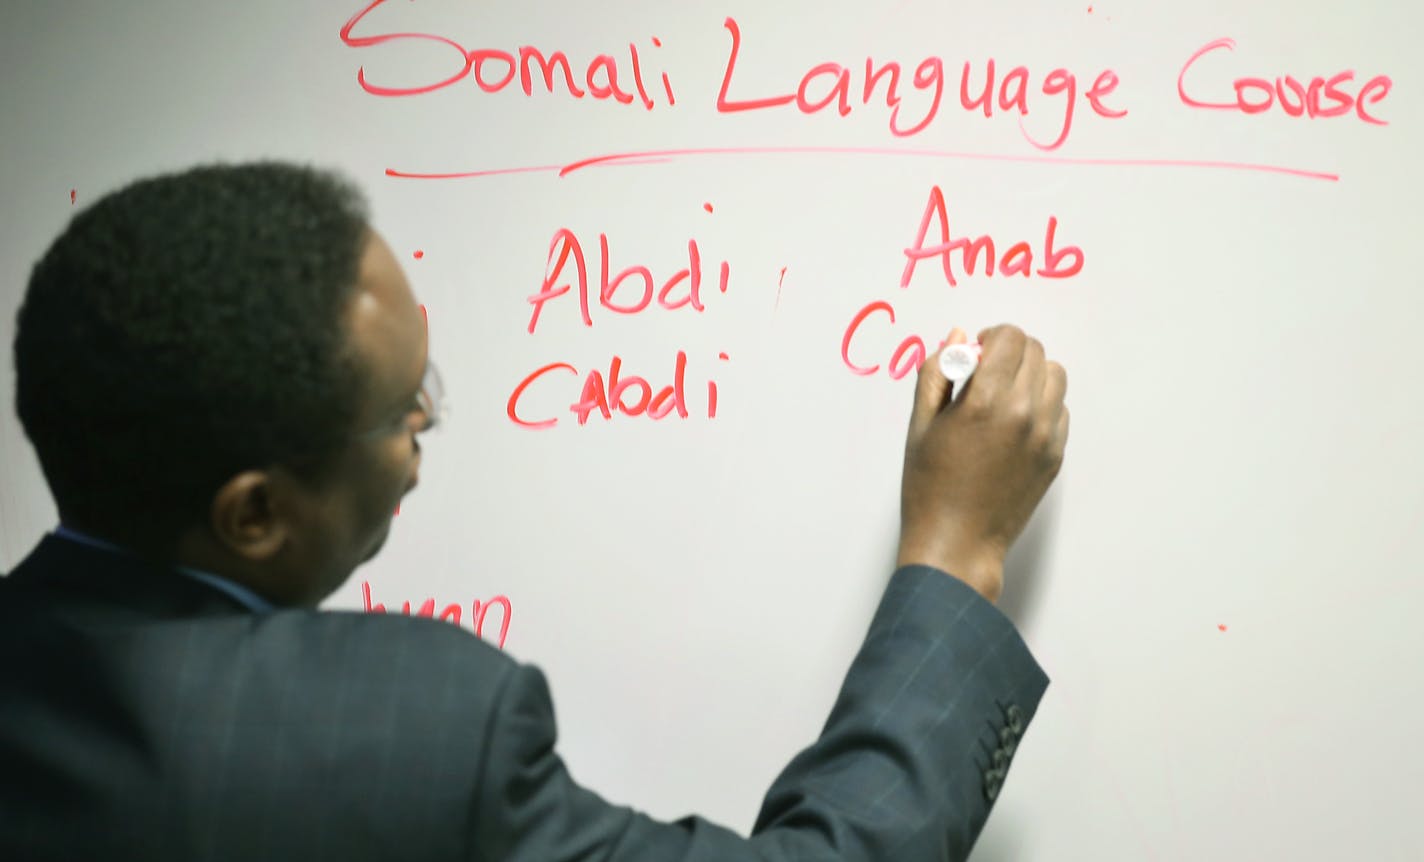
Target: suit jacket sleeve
point(907, 767)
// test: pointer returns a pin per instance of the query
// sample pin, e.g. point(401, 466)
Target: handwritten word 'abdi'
point(683, 289)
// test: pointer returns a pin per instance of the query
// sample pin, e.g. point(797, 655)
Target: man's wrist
point(982, 568)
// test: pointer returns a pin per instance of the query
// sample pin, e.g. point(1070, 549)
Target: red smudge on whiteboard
point(418, 254)
point(780, 281)
point(1221, 627)
point(707, 206)
point(73, 193)
point(657, 43)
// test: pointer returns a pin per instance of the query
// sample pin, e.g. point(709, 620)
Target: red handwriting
point(682, 288)
point(829, 84)
point(493, 70)
point(617, 393)
point(1017, 259)
point(645, 157)
point(912, 99)
point(1322, 97)
point(452, 613)
point(907, 356)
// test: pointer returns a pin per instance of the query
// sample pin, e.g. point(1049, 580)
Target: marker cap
point(957, 363)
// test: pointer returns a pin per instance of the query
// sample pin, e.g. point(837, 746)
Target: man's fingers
point(931, 388)
point(1060, 437)
point(1002, 355)
point(1055, 384)
point(1029, 382)
point(956, 336)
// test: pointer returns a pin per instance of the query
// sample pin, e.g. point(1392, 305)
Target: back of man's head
point(183, 329)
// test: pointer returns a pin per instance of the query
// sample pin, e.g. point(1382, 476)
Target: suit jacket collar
point(80, 575)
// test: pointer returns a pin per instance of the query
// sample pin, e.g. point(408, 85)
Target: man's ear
point(245, 518)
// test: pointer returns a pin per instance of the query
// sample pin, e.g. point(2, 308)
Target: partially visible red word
point(493, 69)
point(830, 84)
point(1017, 259)
point(907, 357)
point(452, 613)
point(1322, 97)
point(630, 395)
point(682, 288)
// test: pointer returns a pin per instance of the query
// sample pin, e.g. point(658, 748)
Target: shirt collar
point(240, 593)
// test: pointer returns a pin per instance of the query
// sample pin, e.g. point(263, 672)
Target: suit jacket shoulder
point(172, 724)
point(148, 716)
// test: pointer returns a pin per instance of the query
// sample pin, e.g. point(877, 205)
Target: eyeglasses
point(430, 400)
point(424, 413)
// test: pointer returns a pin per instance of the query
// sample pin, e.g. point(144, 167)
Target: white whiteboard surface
point(1224, 584)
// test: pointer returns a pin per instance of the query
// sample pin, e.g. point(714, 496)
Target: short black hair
point(183, 329)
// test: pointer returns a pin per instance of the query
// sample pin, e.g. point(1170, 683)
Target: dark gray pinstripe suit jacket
point(147, 716)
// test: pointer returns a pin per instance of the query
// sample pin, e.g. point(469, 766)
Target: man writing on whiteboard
point(225, 376)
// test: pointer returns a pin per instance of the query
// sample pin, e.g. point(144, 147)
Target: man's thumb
point(932, 388)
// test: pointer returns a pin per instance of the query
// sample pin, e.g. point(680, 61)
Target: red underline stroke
point(660, 156)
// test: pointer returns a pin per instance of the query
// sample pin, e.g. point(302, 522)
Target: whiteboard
point(1224, 582)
